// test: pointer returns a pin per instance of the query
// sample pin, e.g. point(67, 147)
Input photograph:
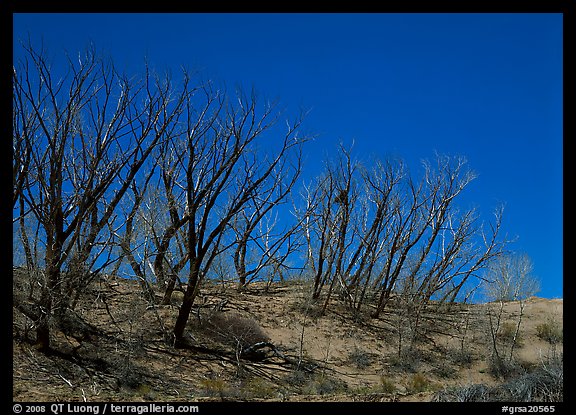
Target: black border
point(566, 7)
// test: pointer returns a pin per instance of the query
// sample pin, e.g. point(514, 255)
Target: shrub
point(408, 361)
point(257, 388)
point(544, 384)
point(360, 358)
point(325, 385)
point(418, 383)
point(387, 385)
point(462, 357)
point(445, 371)
point(507, 333)
point(315, 384)
point(550, 331)
point(297, 378)
point(502, 368)
point(471, 393)
point(216, 387)
point(127, 374)
point(236, 330)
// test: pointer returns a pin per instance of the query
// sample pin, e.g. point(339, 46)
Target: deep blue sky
point(486, 86)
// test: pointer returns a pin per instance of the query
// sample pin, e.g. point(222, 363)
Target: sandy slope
point(354, 359)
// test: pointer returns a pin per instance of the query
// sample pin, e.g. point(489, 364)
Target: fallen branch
point(256, 352)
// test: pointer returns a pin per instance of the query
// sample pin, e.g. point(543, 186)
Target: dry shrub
point(544, 384)
point(216, 387)
point(507, 334)
point(470, 393)
point(445, 371)
point(418, 383)
point(550, 331)
point(462, 357)
point(409, 360)
point(324, 385)
point(386, 385)
point(255, 387)
point(315, 383)
point(236, 330)
point(501, 368)
point(360, 358)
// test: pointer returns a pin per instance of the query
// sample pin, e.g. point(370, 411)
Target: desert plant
point(324, 385)
point(550, 331)
point(254, 387)
point(462, 357)
point(127, 373)
point(418, 383)
point(386, 385)
point(445, 370)
point(543, 384)
point(409, 360)
point(470, 393)
point(215, 387)
point(501, 368)
point(297, 378)
point(360, 358)
point(236, 330)
point(509, 335)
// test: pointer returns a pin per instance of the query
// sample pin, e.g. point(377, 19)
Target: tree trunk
point(46, 306)
point(187, 303)
point(170, 284)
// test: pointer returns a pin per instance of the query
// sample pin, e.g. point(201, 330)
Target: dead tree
point(327, 221)
point(509, 278)
point(86, 132)
point(222, 176)
point(254, 226)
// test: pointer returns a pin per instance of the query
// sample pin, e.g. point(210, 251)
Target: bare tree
point(127, 239)
point(372, 229)
point(318, 225)
point(510, 278)
point(376, 212)
point(222, 177)
point(253, 231)
point(440, 241)
point(85, 136)
point(330, 206)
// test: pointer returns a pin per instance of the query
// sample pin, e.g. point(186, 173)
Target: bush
point(236, 330)
point(472, 393)
point(445, 371)
point(257, 388)
point(127, 373)
point(325, 385)
point(544, 384)
point(507, 333)
point(550, 331)
point(387, 385)
point(297, 378)
point(214, 387)
point(408, 361)
point(502, 368)
point(315, 384)
point(360, 358)
point(462, 357)
point(418, 383)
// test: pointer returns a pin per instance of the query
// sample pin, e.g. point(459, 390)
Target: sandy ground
point(354, 360)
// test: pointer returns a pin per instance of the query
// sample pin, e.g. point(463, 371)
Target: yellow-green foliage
point(214, 387)
point(257, 388)
point(387, 385)
point(418, 383)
